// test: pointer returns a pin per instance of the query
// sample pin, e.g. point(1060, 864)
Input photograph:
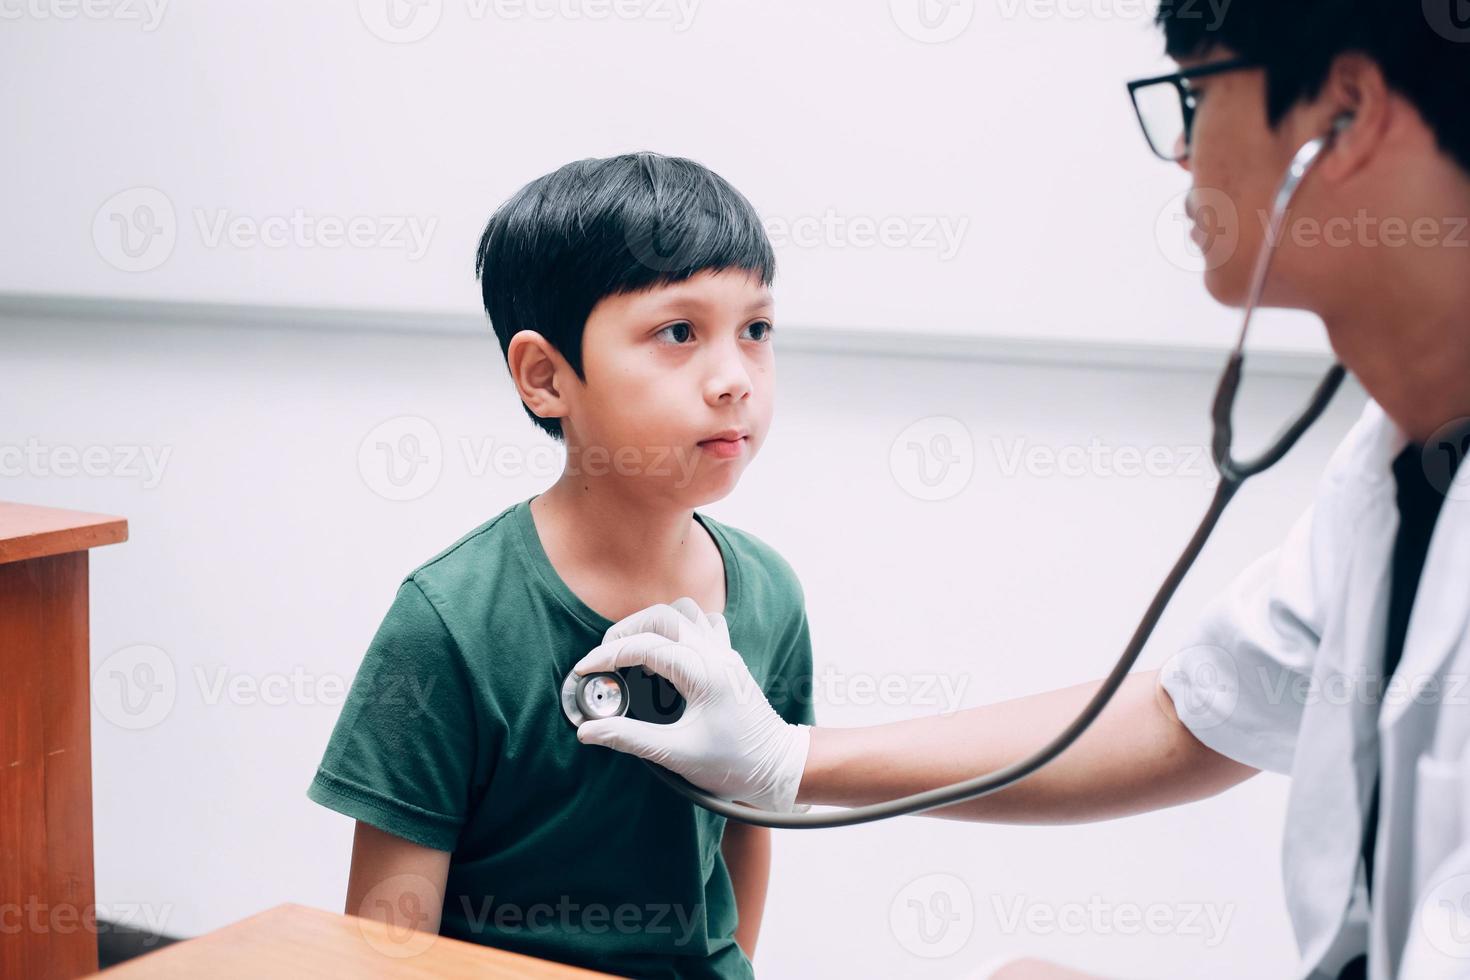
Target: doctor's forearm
point(1136, 757)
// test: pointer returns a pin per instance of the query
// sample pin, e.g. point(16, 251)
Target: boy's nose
point(729, 382)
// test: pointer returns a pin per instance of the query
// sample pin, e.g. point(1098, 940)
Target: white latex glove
point(729, 741)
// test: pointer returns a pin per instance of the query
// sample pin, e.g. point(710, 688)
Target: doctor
point(1341, 658)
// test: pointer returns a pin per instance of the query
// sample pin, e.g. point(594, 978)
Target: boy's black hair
point(1422, 46)
point(604, 227)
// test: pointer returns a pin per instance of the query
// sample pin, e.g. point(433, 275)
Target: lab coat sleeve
point(1238, 682)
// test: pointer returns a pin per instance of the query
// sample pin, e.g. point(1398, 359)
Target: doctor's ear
point(1360, 105)
point(540, 373)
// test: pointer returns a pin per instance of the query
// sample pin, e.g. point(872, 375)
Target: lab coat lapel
point(1335, 764)
point(1437, 621)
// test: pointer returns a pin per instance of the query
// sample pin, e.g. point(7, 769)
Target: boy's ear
point(539, 372)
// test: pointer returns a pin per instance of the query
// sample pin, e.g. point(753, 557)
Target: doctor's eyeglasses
point(1166, 106)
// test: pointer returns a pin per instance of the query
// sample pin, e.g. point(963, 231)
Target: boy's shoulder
point(762, 564)
point(471, 560)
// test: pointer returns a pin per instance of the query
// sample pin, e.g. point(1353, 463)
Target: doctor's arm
point(1137, 756)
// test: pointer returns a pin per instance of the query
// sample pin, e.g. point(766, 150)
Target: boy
point(631, 299)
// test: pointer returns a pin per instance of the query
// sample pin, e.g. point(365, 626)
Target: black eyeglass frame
point(1187, 104)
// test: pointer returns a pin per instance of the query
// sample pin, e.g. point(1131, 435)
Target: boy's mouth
point(726, 445)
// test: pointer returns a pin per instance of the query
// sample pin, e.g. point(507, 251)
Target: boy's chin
point(706, 489)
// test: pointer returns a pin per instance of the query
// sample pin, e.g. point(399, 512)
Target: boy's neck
point(610, 527)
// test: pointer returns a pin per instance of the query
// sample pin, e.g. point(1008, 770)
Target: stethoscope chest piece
point(601, 695)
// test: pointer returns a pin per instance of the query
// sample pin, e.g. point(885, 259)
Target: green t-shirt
point(453, 737)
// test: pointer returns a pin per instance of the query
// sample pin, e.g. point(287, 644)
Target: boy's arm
point(396, 881)
point(747, 852)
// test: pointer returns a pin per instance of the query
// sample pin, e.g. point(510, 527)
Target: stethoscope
point(605, 695)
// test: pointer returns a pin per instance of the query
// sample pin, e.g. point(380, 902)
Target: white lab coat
point(1282, 674)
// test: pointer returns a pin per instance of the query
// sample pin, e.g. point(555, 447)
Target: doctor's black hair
point(1422, 47)
point(604, 227)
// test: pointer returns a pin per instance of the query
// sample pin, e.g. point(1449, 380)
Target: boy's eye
point(677, 333)
point(760, 330)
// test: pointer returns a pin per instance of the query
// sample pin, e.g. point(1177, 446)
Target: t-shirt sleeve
point(790, 692)
point(402, 754)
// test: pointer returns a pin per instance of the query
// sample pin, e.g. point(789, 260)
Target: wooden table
point(297, 941)
point(46, 885)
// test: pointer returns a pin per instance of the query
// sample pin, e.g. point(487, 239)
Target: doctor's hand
point(729, 741)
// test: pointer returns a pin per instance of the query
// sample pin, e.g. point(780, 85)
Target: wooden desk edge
point(29, 531)
point(288, 920)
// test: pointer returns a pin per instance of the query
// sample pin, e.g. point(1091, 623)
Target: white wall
point(1016, 134)
point(264, 552)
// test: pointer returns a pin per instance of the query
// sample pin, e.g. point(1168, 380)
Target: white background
point(1017, 131)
